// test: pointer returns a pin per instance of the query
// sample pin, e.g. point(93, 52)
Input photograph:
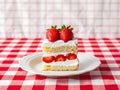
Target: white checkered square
point(28, 82)
point(10, 72)
point(115, 72)
point(73, 82)
point(97, 82)
point(50, 81)
point(5, 82)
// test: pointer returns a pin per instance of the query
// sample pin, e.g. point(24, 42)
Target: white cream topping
point(59, 43)
point(63, 63)
point(55, 54)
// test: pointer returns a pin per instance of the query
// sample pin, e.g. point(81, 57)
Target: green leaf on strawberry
point(55, 26)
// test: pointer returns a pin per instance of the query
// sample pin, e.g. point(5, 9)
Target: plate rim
point(28, 69)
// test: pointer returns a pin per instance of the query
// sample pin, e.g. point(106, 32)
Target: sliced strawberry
point(66, 33)
point(48, 59)
point(60, 58)
point(52, 34)
point(71, 56)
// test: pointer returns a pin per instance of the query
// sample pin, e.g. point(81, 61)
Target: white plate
point(32, 63)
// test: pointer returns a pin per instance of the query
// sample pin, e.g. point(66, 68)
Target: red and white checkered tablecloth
point(105, 77)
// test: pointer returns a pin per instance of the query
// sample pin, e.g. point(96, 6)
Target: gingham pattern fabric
point(105, 77)
point(30, 18)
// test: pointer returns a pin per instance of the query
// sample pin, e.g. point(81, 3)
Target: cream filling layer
point(63, 63)
point(58, 43)
point(55, 54)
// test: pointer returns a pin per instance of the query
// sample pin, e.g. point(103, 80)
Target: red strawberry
point(52, 34)
point(48, 59)
point(66, 33)
point(60, 58)
point(71, 56)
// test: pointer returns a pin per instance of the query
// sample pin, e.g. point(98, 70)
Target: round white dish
point(32, 63)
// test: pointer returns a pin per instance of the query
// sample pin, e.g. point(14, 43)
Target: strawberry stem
point(68, 26)
point(63, 26)
point(71, 28)
point(55, 26)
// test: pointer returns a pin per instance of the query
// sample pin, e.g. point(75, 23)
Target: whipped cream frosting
point(55, 54)
point(59, 43)
point(63, 63)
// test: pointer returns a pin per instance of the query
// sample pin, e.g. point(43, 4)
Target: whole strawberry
point(66, 33)
point(52, 34)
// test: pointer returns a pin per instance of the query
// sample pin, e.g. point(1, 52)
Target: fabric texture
point(31, 18)
point(105, 77)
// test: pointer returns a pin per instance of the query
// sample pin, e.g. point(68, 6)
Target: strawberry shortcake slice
point(59, 50)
